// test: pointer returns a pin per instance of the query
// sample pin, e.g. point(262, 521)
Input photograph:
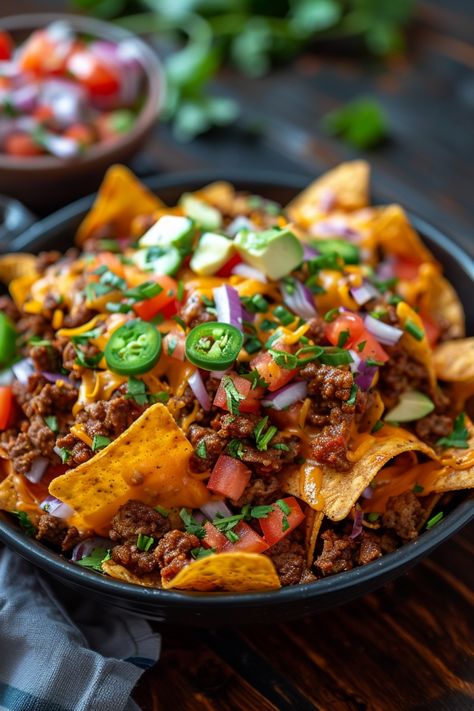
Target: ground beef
point(399, 374)
point(69, 355)
point(331, 444)
point(207, 439)
point(34, 325)
point(46, 358)
point(193, 312)
point(289, 558)
point(55, 531)
point(38, 397)
point(369, 548)
point(174, 552)
point(238, 426)
point(271, 461)
point(260, 491)
point(317, 329)
point(327, 382)
point(134, 518)
point(337, 553)
point(46, 259)
point(387, 312)
point(79, 451)
point(404, 515)
point(78, 316)
point(434, 426)
point(7, 307)
point(109, 418)
point(138, 562)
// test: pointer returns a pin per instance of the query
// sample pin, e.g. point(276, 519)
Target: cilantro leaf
point(233, 397)
point(361, 123)
point(458, 437)
point(25, 522)
point(52, 422)
point(99, 442)
point(191, 525)
point(94, 560)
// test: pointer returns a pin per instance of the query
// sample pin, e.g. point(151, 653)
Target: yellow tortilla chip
point(418, 350)
point(458, 470)
point(314, 520)
point(454, 360)
point(149, 462)
point(443, 305)
point(8, 494)
point(230, 572)
point(20, 288)
point(346, 187)
point(396, 236)
point(120, 199)
point(16, 265)
point(152, 580)
point(219, 194)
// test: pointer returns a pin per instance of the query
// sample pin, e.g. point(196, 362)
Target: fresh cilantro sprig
point(25, 522)
point(233, 397)
point(458, 437)
point(94, 560)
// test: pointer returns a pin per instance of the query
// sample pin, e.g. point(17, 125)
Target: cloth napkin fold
point(60, 651)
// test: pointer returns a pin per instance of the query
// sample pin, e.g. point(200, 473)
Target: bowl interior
point(56, 232)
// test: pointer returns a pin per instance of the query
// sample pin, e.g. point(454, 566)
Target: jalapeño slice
point(133, 348)
point(213, 345)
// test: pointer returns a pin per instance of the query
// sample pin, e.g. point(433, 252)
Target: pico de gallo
point(228, 377)
point(61, 93)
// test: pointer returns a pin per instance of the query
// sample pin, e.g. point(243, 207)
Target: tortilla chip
point(314, 520)
point(396, 236)
point(219, 194)
point(8, 494)
point(458, 470)
point(16, 265)
point(147, 462)
point(443, 305)
point(20, 288)
point(229, 572)
point(120, 199)
point(418, 350)
point(454, 360)
point(152, 580)
point(346, 187)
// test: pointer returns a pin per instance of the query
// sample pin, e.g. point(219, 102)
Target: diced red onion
point(199, 516)
point(38, 468)
point(240, 223)
point(368, 492)
point(388, 335)
point(23, 369)
point(286, 396)
point(247, 316)
point(327, 200)
point(68, 101)
point(228, 306)
point(55, 507)
point(199, 389)
point(25, 98)
point(213, 508)
point(60, 146)
point(245, 270)
point(357, 525)
point(356, 361)
point(218, 374)
point(363, 294)
point(365, 375)
point(55, 377)
point(335, 227)
point(300, 301)
point(309, 252)
point(85, 547)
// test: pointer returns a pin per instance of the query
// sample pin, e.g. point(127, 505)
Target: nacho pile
point(230, 395)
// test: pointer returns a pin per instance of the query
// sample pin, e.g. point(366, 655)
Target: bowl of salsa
point(76, 95)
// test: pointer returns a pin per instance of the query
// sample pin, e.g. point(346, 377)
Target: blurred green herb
point(361, 123)
point(251, 34)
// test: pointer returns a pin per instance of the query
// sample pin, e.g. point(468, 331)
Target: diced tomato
point(100, 79)
point(151, 307)
point(226, 269)
point(405, 269)
point(6, 46)
point(6, 405)
point(359, 340)
point(274, 524)
point(286, 418)
point(43, 114)
point(251, 401)
point(229, 477)
point(249, 541)
point(432, 330)
point(43, 54)
point(82, 133)
point(171, 309)
point(274, 375)
point(213, 538)
point(109, 260)
point(21, 145)
point(174, 344)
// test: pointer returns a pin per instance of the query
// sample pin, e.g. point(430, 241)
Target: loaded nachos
point(230, 395)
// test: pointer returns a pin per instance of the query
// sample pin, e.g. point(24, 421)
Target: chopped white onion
point(23, 369)
point(356, 360)
point(38, 468)
point(283, 398)
point(245, 270)
point(388, 335)
point(199, 389)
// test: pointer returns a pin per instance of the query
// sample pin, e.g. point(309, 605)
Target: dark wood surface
point(410, 645)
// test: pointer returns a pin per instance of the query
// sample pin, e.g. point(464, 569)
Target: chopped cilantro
point(343, 338)
point(201, 449)
point(52, 422)
point(284, 359)
point(136, 390)
point(261, 511)
point(373, 362)
point(263, 438)
point(458, 437)
point(122, 307)
point(373, 516)
point(88, 361)
point(162, 397)
point(414, 330)
point(283, 506)
point(283, 315)
point(25, 522)
point(255, 379)
point(281, 445)
point(198, 553)
point(233, 397)
point(252, 345)
point(144, 291)
point(99, 442)
point(108, 278)
point(94, 289)
point(360, 346)
point(330, 315)
point(418, 489)
point(83, 338)
point(235, 448)
point(394, 299)
point(179, 321)
point(434, 520)
point(65, 454)
point(144, 543)
point(353, 396)
point(285, 524)
point(232, 536)
point(161, 510)
point(94, 560)
point(180, 290)
point(191, 525)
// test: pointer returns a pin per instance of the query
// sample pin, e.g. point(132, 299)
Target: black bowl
point(56, 232)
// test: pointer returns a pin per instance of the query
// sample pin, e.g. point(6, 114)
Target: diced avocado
point(274, 252)
point(349, 252)
point(412, 405)
point(206, 216)
point(212, 252)
point(170, 231)
point(158, 260)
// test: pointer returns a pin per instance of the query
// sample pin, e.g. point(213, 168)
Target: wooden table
point(410, 645)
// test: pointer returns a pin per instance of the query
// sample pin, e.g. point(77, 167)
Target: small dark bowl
point(56, 232)
point(44, 183)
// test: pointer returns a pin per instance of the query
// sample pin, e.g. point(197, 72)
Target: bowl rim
point(380, 569)
point(155, 90)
